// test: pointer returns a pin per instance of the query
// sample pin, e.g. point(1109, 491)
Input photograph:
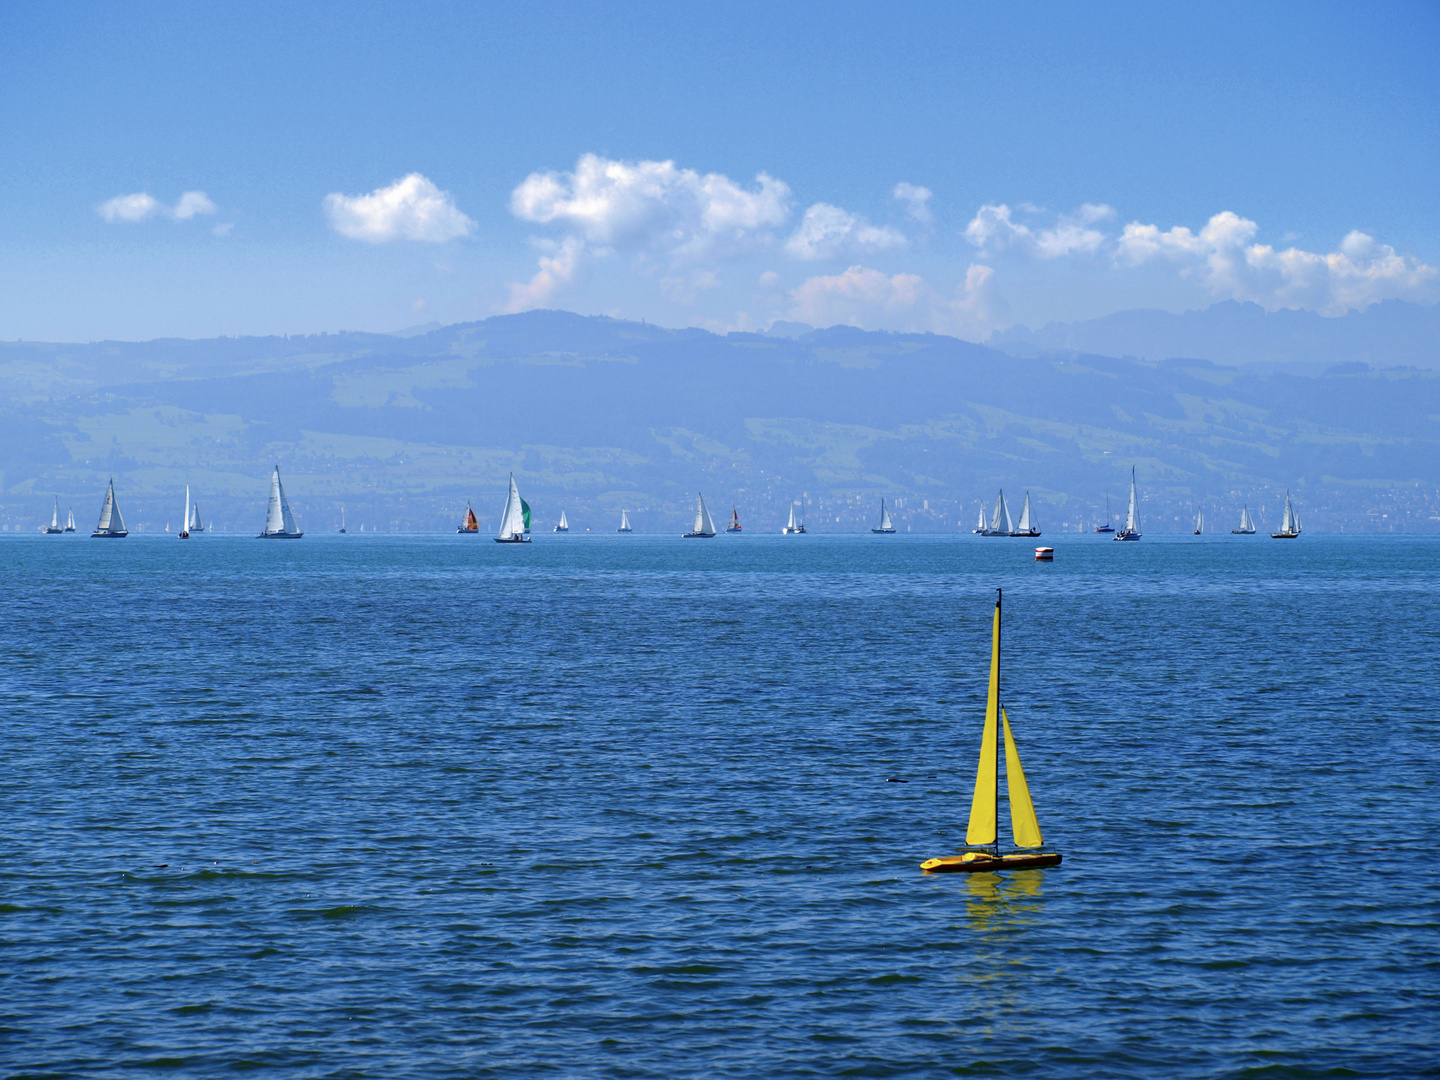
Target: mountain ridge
point(595, 413)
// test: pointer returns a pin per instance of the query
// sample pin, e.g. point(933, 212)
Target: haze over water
point(644, 807)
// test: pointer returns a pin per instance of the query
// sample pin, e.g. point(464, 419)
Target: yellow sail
point(1022, 810)
point(982, 807)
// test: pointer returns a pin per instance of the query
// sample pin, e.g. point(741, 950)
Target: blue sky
point(228, 169)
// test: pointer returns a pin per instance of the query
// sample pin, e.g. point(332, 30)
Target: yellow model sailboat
point(982, 838)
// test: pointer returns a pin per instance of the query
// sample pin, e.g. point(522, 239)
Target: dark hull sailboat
point(111, 525)
point(704, 527)
point(280, 522)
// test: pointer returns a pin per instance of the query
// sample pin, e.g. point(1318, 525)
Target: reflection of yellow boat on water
point(982, 838)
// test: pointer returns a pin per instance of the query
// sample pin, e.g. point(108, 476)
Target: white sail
point(703, 523)
point(1026, 526)
point(792, 526)
point(886, 524)
point(1000, 523)
point(563, 523)
point(55, 517)
point(1246, 523)
point(70, 522)
point(279, 520)
point(1132, 512)
point(980, 525)
point(196, 525)
point(625, 521)
point(512, 523)
point(1200, 521)
point(111, 520)
point(185, 521)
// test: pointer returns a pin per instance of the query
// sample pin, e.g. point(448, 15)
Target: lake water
point(644, 807)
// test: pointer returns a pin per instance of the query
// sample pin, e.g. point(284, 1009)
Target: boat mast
point(999, 735)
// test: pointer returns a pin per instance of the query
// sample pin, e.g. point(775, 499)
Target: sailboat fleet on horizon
point(281, 523)
point(1001, 523)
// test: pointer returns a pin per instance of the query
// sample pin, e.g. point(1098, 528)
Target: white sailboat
point(886, 525)
point(1289, 524)
point(515, 523)
point(1247, 524)
point(70, 521)
point(1027, 524)
point(1199, 522)
point(195, 525)
point(564, 525)
point(342, 520)
point(624, 522)
point(979, 529)
point(55, 526)
point(184, 533)
point(1131, 531)
point(1000, 523)
point(704, 526)
point(111, 525)
point(279, 520)
point(734, 525)
point(795, 526)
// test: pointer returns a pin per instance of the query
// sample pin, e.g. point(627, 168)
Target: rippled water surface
point(645, 807)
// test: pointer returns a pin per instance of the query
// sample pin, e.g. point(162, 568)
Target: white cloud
point(916, 200)
point(141, 206)
point(1224, 258)
point(556, 269)
point(993, 229)
point(135, 207)
point(190, 204)
point(223, 229)
point(412, 208)
point(827, 231)
point(870, 299)
point(653, 205)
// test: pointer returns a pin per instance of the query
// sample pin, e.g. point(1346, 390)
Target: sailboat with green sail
point(982, 838)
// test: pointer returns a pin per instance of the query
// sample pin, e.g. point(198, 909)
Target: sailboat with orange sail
point(982, 838)
point(469, 523)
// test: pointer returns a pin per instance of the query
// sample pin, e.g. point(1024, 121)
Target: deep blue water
point(622, 806)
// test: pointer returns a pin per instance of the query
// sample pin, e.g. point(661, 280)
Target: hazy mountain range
point(595, 414)
point(1389, 334)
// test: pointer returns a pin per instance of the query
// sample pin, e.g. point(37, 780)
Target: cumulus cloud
point(191, 204)
point(654, 205)
point(916, 200)
point(141, 206)
point(557, 268)
point(412, 208)
point(1225, 259)
point(871, 299)
point(826, 232)
point(994, 229)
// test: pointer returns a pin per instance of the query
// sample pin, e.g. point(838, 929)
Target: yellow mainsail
point(982, 807)
point(1022, 810)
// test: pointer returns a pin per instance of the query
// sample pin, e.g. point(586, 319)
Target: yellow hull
point(974, 861)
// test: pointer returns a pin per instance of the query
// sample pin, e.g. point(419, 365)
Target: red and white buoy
point(1045, 554)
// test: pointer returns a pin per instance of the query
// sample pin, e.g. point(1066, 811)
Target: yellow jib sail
point(1022, 810)
point(982, 808)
